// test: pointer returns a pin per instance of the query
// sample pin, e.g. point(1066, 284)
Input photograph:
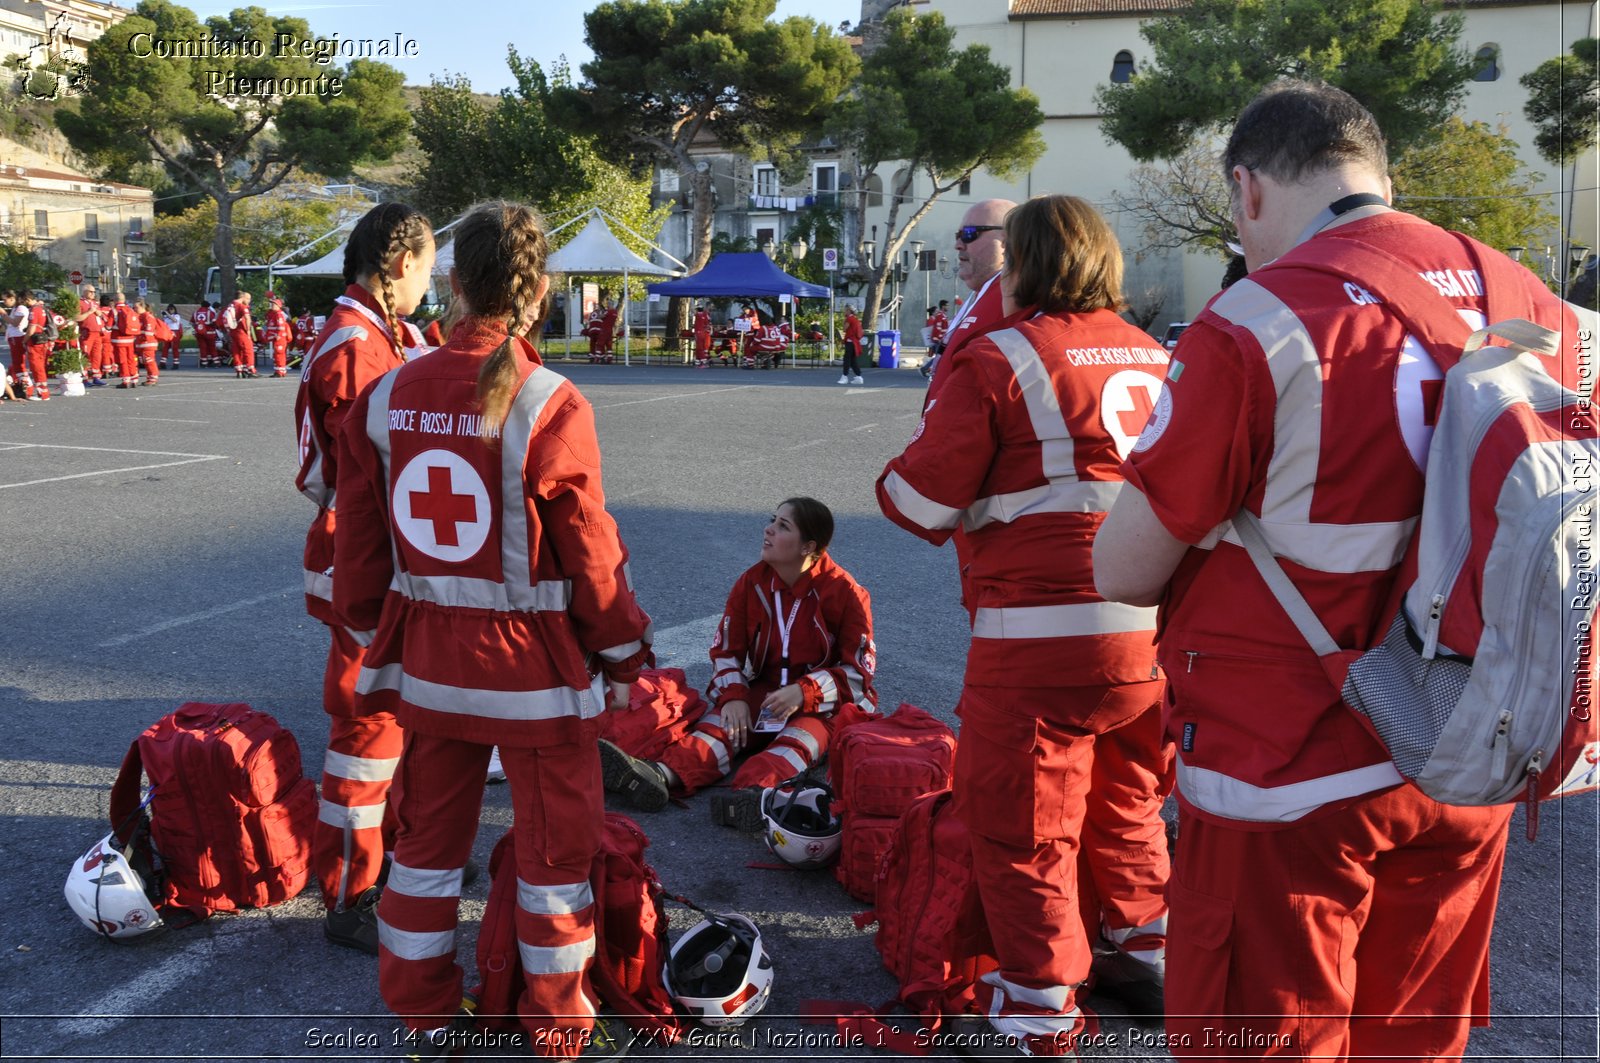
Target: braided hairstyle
point(500, 252)
point(378, 239)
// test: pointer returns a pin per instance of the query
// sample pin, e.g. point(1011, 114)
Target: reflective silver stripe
point(712, 720)
point(917, 507)
point(353, 817)
point(333, 339)
point(804, 738)
point(416, 944)
point(319, 584)
point(858, 685)
point(1297, 446)
point(551, 595)
point(359, 769)
point(1158, 925)
point(554, 900)
point(797, 760)
point(1042, 403)
point(718, 750)
point(627, 574)
point(1054, 998)
point(516, 435)
point(622, 652)
point(548, 704)
point(556, 959)
point(1337, 547)
point(1064, 496)
point(361, 638)
point(728, 679)
point(1061, 621)
point(1223, 795)
point(424, 882)
point(825, 684)
point(378, 419)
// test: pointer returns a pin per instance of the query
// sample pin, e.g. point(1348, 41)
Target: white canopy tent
point(595, 251)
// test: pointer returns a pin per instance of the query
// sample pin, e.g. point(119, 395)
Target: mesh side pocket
point(1408, 699)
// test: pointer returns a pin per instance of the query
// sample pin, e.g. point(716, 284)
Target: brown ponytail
point(500, 252)
point(377, 240)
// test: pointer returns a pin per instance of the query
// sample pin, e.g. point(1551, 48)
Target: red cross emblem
point(443, 507)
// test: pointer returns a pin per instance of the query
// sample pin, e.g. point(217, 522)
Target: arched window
point(1488, 60)
point(874, 190)
point(1122, 68)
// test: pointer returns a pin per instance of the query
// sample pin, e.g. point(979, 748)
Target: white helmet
point(108, 894)
point(719, 971)
point(799, 825)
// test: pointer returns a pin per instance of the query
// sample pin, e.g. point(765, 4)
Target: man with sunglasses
point(980, 255)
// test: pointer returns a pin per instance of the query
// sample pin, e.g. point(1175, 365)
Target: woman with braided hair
point(473, 543)
point(387, 265)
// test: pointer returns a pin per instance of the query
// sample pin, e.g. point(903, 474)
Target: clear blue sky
point(470, 36)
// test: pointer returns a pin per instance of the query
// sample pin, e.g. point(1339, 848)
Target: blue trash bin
point(889, 349)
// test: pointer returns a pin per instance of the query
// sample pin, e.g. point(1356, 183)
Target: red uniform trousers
point(280, 357)
point(703, 756)
point(94, 345)
point(208, 347)
point(39, 368)
point(127, 365)
point(19, 357)
point(1361, 933)
point(356, 821)
point(146, 352)
point(173, 347)
point(558, 802)
point(244, 350)
point(702, 348)
point(1033, 792)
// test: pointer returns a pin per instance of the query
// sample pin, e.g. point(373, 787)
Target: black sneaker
point(447, 1042)
point(642, 782)
point(739, 809)
point(356, 927)
point(1136, 986)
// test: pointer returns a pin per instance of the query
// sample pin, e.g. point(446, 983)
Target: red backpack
point(879, 765)
point(231, 815)
point(932, 934)
point(662, 709)
point(630, 936)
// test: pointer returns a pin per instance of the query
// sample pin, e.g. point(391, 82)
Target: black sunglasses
point(968, 233)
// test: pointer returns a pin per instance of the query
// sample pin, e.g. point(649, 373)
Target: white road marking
point(169, 420)
point(803, 446)
point(133, 998)
point(669, 398)
point(686, 644)
point(179, 621)
point(109, 472)
point(114, 450)
point(864, 427)
point(212, 402)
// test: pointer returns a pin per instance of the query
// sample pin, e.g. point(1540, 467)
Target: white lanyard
point(345, 300)
point(784, 627)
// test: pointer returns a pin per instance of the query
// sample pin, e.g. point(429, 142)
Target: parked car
point(1170, 339)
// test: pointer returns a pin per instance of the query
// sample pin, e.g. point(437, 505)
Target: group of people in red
point(477, 594)
point(227, 335)
point(753, 339)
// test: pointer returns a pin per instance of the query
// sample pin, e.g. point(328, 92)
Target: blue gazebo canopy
point(740, 274)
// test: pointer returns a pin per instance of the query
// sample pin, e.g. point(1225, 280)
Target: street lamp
point(799, 248)
point(1516, 251)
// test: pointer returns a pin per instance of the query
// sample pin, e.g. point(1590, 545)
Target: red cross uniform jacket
point(351, 352)
point(1016, 458)
point(204, 321)
point(831, 653)
point(493, 579)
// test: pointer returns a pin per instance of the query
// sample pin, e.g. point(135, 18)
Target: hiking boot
point(446, 1042)
point(356, 927)
point(642, 782)
point(1127, 980)
point(739, 809)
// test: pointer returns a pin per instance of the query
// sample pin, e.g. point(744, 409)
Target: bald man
point(980, 255)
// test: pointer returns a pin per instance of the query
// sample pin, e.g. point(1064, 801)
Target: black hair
point(813, 520)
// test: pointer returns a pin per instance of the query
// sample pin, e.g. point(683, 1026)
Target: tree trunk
point(222, 245)
point(891, 247)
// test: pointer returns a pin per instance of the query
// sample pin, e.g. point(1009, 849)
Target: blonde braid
point(406, 232)
point(522, 250)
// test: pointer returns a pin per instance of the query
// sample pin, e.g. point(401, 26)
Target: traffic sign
point(76, 276)
point(830, 258)
point(144, 287)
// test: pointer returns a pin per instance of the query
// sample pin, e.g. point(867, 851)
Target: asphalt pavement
point(152, 556)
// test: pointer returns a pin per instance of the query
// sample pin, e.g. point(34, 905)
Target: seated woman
point(795, 643)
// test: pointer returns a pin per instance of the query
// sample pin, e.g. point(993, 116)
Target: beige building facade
point(77, 222)
point(1063, 50)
